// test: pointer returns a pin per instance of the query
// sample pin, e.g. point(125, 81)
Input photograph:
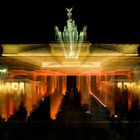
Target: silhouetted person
point(2, 119)
point(134, 113)
point(71, 99)
point(125, 100)
point(22, 112)
point(117, 100)
point(77, 99)
point(112, 121)
point(41, 111)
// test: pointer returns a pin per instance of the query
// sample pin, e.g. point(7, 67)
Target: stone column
point(64, 83)
point(34, 88)
point(130, 96)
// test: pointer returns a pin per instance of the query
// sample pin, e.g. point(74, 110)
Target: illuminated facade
point(29, 72)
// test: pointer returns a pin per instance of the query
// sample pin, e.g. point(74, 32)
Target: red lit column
point(129, 75)
point(106, 89)
point(78, 82)
point(34, 88)
point(63, 85)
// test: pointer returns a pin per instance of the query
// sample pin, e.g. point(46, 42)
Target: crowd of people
point(73, 97)
point(122, 107)
point(20, 114)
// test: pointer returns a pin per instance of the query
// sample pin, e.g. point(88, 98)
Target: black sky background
point(108, 22)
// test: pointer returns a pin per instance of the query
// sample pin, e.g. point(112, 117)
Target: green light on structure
point(3, 70)
point(70, 39)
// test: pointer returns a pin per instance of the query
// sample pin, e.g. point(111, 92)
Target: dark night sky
point(108, 22)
